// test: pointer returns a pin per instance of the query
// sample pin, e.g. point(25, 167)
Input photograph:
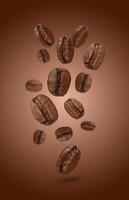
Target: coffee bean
point(74, 108)
point(59, 80)
point(80, 35)
point(44, 35)
point(65, 50)
point(94, 56)
point(33, 85)
point(39, 137)
point(63, 133)
point(83, 82)
point(43, 56)
point(68, 159)
point(88, 125)
point(44, 110)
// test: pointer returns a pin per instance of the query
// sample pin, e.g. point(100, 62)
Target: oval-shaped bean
point(43, 56)
point(44, 35)
point(33, 85)
point(39, 136)
point(65, 50)
point(94, 56)
point(44, 110)
point(80, 36)
point(83, 82)
point(74, 108)
point(68, 159)
point(63, 133)
point(59, 80)
point(88, 125)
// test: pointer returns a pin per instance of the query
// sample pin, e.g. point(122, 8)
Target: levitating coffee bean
point(80, 35)
point(33, 85)
point(74, 108)
point(94, 56)
point(43, 56)
point(65, 50)
point(83, 82)
point(68, 159)
point(88, 125)
point(63, 133)
point(39, 137)
point(44, 35)
point(44, 110)
point(59, 80)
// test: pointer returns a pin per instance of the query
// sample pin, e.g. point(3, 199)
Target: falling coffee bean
point(83, 82)
point(59, 80)
point(39, 137)
point(68, 159)
point(65, 50)
point(80, 35)
point(94, 56)
point(33, 85)
point(44, 110)
point(44, 35)
point(63, 133)
point(43, 56)
point(88, 125)
point(74, 108)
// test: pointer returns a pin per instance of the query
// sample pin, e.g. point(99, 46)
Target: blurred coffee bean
point(33, 85)
point(63, 133)
point(43, 56)
point(39, 137)
point(44, 35)
point(88, 125)
point(80, 35)
point(83, 82)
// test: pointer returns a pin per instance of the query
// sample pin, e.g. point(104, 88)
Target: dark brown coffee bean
point(94, 56)
point(44, 35)
point(39, 137)
point(80, 35)
point(74, 108)
point(63, 133)
point(44, 110)
point(88, 125)
point(68, 159)
point(59, 80)
point(43, 56)
point(83, 82)
point(65, 50)
point(33, 85)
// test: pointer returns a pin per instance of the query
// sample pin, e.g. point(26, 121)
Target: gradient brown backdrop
point(28, 171)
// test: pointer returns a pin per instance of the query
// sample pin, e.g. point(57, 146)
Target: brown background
point(28, 171)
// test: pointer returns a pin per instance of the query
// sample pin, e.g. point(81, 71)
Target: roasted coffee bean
point(63, 133)
point(80, 35)
point(94, 56)
point(83, 82)
point(68, 159)
point(39, 137)
point(43, 56)
point(44, 35)
point(65, 50)
point(44, 110)
point(33, 85)
point(88, 125)
point(59, 80)
point(74, 108)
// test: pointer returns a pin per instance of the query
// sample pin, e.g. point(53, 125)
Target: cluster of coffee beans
point(59, 80)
